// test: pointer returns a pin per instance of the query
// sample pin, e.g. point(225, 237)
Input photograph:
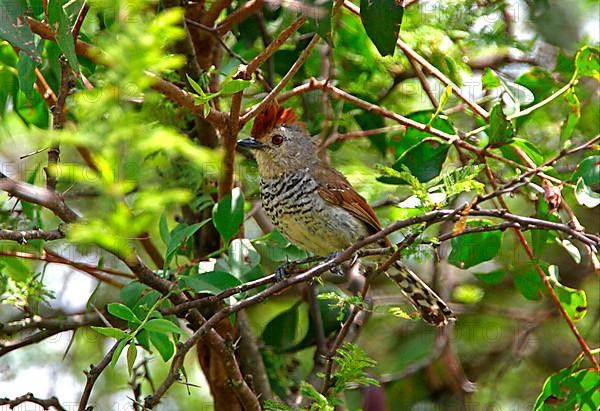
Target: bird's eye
point(277, 139)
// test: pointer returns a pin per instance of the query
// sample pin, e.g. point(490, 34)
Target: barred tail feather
point(432, 308)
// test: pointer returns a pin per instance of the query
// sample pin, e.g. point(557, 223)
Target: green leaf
point(177, 236)
point(443, 100)
point(587, 62)
point(163, 228)
point(131, 355)
point(528, 282)
point(65, 40)
point(26, 72)
point(501, 130)
point(32, 110)
point(195, 86)
point(425, 159)
point(160, 325)
point(123, 312)
point(418, 150)
point(163, 344)
point(569, 389)
point(475, 248)
point(585, 196)
point(573, 117)
point(212, 282)
point(110, 332)
point(381, 20)
point(282, 331)
point(539, 238)
point(490, 79)
point(573, 301)
point(10, 87)
point(529, 148)
point(131, 293)
point(589, 171)
point(120, 346)
point(228, 214)
point(233, 86)
point(14, 28)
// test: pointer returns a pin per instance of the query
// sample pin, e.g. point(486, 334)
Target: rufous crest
point(273, 115)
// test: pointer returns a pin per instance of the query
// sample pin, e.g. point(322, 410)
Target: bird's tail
point(432, 308)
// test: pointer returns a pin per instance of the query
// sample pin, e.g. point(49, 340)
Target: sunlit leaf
point(122, 311)
point(117, 353)
point(589, 170)
point(585, 196)
point(587, 62)
point(212, 282)
point(501, 130)
point(573, 116)
point(131, 355)
point(573, 301)
point(160, 325)
point(177, 236)
point(228, 214)
point(110, 332)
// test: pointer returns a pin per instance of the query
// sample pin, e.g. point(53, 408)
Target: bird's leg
point(282, 271)
point(335, 270)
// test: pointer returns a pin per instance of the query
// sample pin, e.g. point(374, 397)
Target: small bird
point(316, 208)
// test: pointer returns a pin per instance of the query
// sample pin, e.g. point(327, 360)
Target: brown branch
point(92, 375)
point(151, 250)
point(335, 137)
point(59, 116)
point(239, 15)
point(229, 142)
point(41, 196)
point(422, 80)
point(71, 322)
point(272, 47)
point(22, 236)
point(46, 404)
point(83, 11)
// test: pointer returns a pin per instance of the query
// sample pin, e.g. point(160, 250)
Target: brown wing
point(334, 188)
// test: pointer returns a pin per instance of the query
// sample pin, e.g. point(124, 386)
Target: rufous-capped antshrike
point(316, 208)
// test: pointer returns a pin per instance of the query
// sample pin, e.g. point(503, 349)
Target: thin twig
point(92, 375)
point(273, 93)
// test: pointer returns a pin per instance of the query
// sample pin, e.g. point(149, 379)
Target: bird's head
point(279, 142)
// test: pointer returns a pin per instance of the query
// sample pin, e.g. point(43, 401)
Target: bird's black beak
point(251, 143)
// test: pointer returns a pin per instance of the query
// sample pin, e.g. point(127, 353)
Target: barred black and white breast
point(297, 210)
